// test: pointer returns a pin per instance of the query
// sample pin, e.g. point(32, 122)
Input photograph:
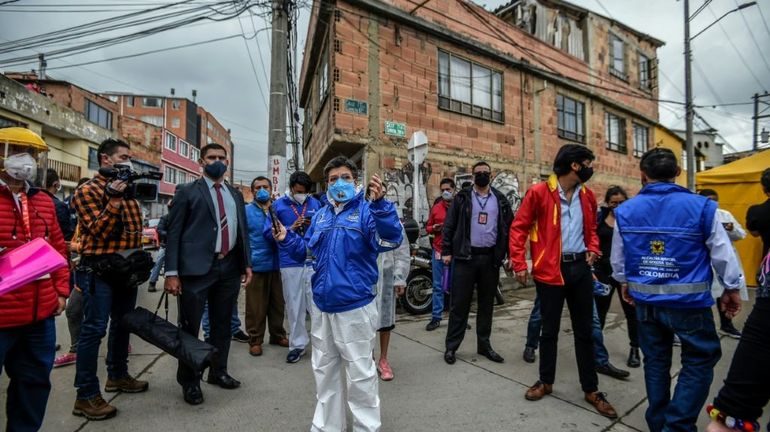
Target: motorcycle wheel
point(418, 298)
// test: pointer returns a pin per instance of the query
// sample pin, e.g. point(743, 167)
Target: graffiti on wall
point(400, 190)
point(505, 181)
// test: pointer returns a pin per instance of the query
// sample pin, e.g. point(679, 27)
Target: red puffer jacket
point(38, 300)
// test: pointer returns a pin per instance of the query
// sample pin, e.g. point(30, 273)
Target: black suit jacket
point(192, 231)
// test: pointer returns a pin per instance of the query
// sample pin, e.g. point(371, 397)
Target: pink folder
point(28, 263)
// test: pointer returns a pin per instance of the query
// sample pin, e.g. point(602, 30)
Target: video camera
point(138, 191)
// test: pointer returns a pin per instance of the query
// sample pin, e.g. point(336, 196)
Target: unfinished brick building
point(509, 86)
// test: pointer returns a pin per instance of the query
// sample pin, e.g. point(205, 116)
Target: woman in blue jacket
point(346, 237)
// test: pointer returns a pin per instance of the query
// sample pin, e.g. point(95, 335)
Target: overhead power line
point(753, 38)
point(737, 51)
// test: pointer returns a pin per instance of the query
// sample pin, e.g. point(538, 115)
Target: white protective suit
point(738, 233)
point(394, 269)
point(296, 293)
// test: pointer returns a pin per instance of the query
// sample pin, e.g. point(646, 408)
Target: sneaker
point(95, 408)
point(295, 355)
point(433, 324)
point(383, 368)
point(127, 384)
point(729, 330)
point(240, 336)
point(529, 355)
point(65, 359)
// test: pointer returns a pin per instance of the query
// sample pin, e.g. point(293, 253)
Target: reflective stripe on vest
point(686, 288)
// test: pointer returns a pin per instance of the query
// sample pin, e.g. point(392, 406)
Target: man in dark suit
point(207, 258)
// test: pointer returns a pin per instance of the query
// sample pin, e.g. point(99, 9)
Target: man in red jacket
point(559, 217)
point(27, 332)
point(434, 226)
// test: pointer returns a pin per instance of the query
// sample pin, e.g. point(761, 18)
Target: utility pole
point(689, 148)
point(278, 84)
point(42, 65)
point(760, 113)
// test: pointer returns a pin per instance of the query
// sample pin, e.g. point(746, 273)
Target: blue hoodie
point(288, 211)
point(346, 246)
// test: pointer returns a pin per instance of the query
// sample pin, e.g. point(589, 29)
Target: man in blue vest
point(665, 243)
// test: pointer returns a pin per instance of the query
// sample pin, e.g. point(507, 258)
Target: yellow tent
point(737, 184)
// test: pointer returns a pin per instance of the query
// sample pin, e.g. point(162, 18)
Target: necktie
point(224, 230)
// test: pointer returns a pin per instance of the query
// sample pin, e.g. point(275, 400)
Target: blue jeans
point(235, 322)
point(438, 289)
point(700, 352)
point(159, 261)
point(601, 357)
point(102, 304)
point(27, 354)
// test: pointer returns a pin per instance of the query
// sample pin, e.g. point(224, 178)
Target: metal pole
point(755, 137)
point(277, 112)
point(689, 149)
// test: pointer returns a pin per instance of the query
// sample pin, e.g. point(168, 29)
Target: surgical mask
point(263, 196)
point(341, 191)
point(481, 179)
point(585, 173)
point(127, 164)
point(300, 197)
point(215, 170)
point(447, 195)
point(21, 166)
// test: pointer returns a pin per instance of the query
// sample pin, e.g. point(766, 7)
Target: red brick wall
point(145, 139)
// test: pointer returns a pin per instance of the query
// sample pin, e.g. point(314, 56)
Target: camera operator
point(111, 241)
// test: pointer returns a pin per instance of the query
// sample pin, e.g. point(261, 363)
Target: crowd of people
point(341, 257)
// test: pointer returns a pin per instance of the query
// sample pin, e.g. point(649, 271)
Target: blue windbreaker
point(288, 211)
point(346, 246)
point(264, 254)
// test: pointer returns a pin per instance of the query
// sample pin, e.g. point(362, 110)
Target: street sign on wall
point(276, 169)
point(355, 106)
point(395, 129)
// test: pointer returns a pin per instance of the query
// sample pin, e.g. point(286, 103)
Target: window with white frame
point(175, 122)
point(323, 76)
point(641, 139)
point(617, 57)
point(184, 148)
point(152, 102)
point(169, 174)
point(469, 88)
point(644, 72)
point(195, 154)
point(615, 132)
point(176, 104)
point(570, 115)
point(153, 120)
point(170, 141)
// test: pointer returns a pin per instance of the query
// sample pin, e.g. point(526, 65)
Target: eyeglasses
point(347, 177)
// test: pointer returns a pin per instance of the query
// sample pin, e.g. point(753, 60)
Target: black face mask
point(585, 173)
point(481, 179)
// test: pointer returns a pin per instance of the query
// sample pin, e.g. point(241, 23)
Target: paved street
point(427, 394)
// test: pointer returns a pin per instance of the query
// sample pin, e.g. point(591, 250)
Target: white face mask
point(21, 166)
point(300, 197)
point(447, 195)
point(125, 164)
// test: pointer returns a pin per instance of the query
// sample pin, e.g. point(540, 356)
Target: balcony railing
point(65, 170)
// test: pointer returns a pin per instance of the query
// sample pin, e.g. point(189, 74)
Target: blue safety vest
point(664, 231)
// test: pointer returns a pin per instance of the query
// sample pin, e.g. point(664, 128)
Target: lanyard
point(478, 200)
point(296, 213)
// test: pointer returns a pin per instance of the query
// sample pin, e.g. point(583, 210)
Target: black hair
point(765, 180)
point(659, 164)
point(110, 146)
point(708, 192)
point(300, 178)
point(448, 181)
point(261, 178)
point(338, 162)
point(51, 177)
point(614, 190)
point(213, 146)
point(481, 163)
point(569, 154)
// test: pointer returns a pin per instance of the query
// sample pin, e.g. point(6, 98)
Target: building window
point(6, 122)
point(153, 120)
point(323, 77)
point(93, 159)
point(184, 148)
point(195, 154)
point(170, 142)
point(469, 88)
point(644, 72)
point(570, 118)
point(98, 115)
point(641, 139)
point(152, 102)
point(130, 101)
point(615, 132)
point(617, 57)
point(169, 175)
point(175, 122)
point(176, 104)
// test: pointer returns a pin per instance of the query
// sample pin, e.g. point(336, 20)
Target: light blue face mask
point(342, 191)
point(263, 195)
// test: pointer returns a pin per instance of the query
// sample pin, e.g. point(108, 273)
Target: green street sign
point(395, 129)
point(355, 106)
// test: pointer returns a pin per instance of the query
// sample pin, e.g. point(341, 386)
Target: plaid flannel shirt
point(103, 228)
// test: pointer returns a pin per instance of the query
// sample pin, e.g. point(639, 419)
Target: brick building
point(509, 86)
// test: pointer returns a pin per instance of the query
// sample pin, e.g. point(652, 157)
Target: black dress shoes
point(225, 381)
point(612, 371)
point(449, 357)
point(193, 395)
point(634, 359)
point(529, 355)
point(492, 355)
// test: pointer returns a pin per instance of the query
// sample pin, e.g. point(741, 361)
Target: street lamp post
point(689, 147)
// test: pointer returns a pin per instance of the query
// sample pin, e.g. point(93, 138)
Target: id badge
point(482, 218)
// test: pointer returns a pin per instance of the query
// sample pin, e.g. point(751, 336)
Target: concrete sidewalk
point(426, 395)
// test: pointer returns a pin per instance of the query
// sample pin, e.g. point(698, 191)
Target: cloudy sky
point(732, 60)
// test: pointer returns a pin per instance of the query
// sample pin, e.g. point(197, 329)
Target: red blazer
point(539, 218)
point(37, 300)
point(437, 216)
